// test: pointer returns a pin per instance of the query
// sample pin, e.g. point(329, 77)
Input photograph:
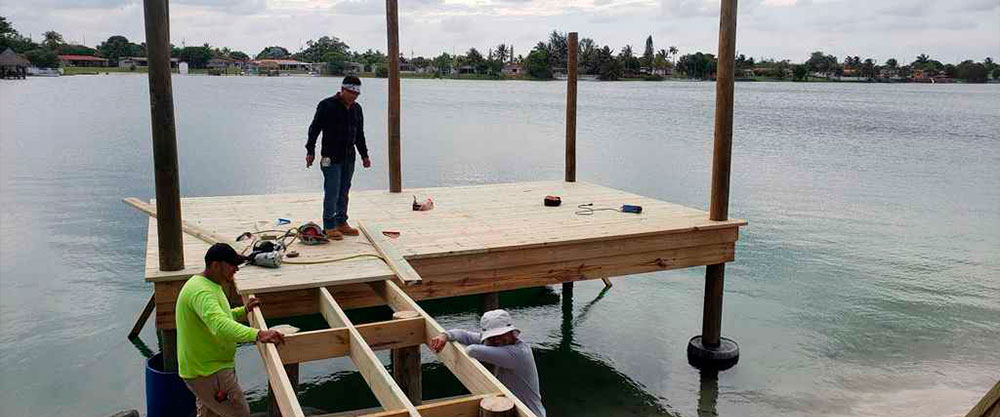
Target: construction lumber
point(140, 321)
point(406, 274)
point(388, 394)
point(292, 370)
point(989, 405)
point(334, 343)
point(469, 371)
point(190, 228)
point(461, 406)
point(284, 393)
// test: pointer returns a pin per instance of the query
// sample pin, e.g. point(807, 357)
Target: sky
point(950, 31)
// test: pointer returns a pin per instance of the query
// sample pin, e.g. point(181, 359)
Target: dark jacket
point(342, 128)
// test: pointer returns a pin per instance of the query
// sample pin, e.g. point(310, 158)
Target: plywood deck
point(484, 237)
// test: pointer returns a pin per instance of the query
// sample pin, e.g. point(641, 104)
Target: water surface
point(866, 284)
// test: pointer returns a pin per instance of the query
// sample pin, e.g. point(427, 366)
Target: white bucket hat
point(496, 323)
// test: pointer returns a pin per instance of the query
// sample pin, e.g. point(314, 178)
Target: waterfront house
point(353, 68)
point(13, 65)
point(140, 62)
point(73, 60)
point(284, 65)
point(512, 69)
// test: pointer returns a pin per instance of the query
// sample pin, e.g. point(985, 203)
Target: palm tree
point(673, 51)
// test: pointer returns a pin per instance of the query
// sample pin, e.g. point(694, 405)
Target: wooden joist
point(472, 374)
point(390, 254)
point(335, 342)
point(288, 403)
point(989, 405)
point(388, 394)
point(460, 406)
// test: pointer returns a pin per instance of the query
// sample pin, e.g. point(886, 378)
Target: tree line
point(544, 60)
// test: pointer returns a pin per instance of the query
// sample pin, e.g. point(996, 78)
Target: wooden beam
point(469, 371)
point(404, 271)
point(501, 278)
point(140, 321)
point(989, 405)
point(284, 394)
point(388, 394)
point(187, 227)
point(335, 343)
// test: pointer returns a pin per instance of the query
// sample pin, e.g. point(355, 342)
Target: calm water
point(868, 281)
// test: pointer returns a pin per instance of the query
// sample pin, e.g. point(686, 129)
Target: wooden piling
point(395, 165)
point(489, 301)
point(567, 290)
point(721, 160)
point(161, 107)
point(168, 347)
point(292, 370)
point(406, 364)
point(496, 407)
point(571, 64)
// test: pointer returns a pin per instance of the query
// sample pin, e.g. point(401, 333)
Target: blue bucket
point(166, 393)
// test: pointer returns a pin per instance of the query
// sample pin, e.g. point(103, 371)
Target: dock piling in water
point(571, 63)
point(395, 164)
point(710, 349)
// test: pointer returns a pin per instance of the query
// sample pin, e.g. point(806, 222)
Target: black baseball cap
point(225, 253)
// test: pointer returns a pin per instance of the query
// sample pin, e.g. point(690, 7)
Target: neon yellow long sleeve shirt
point(207, 329)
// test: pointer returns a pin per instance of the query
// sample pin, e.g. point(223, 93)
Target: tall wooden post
point(710, 350)
point(572, 44)
point(161, 108)
point(395, 165)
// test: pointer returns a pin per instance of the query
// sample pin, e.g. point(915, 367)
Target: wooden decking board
point(467, 219)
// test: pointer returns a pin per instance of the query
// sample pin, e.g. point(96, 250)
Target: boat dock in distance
point(479, 239)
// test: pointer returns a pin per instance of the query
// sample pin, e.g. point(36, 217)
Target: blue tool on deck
point(628, 208)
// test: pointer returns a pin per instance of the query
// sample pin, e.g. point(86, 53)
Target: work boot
point(334, 234)
point(347, 230)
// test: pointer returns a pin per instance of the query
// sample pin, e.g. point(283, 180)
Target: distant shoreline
point(74, 71)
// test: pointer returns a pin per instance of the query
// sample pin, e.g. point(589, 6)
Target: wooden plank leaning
point(140, 321)
point(472, 374)
point(190, 228)
point(390, 254)
point(388, 394)
point(288, 403)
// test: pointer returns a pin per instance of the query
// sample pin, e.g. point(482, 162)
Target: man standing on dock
point(207, 334)
point(498, 344)
point(341, 121)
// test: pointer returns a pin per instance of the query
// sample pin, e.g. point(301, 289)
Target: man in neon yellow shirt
point(207, 334)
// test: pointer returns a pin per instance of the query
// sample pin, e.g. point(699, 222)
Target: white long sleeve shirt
point(515, 366)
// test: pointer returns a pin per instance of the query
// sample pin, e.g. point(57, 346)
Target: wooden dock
point(478, 239)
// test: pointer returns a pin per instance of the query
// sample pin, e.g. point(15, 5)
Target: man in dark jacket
point(340, 120)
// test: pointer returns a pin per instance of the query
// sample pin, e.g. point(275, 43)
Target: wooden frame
point(359, 342)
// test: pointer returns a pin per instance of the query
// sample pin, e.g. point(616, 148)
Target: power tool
point(267, 253)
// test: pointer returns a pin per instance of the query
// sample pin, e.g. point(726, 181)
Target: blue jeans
point(336, 185)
